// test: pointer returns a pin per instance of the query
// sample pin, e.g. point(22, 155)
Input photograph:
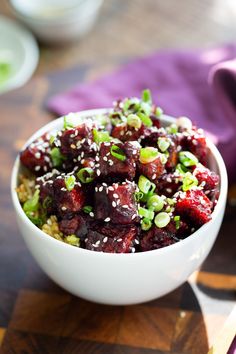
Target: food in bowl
point(119, 182)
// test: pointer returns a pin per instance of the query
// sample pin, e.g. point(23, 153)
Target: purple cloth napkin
point(179, 84)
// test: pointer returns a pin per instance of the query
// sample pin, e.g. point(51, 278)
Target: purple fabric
point(179, 84)
point(232, 349)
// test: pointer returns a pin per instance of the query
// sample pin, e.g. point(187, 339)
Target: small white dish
point(19, 50)
point(56, 22)
point(120, 279)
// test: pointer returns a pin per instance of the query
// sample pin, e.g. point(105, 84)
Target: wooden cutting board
point(36, 316)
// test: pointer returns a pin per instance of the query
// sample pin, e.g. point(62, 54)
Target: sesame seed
point(97, 243)
point(125, 206)
point(63, 208)
point(154, 176)
point(115, 195)
point(91, 214)
point(105, 239)
point(169, 190)
point(98, 172)
point(133, 216)
point(114, 204)
point(37, 155)
point(119, 240)
point(100, 189)
point(96, 189)
point(37, 168)
point(96, 158)
point(132, 249)
point(105, 158)
point(136, 241)
point(107, 219)
point(110, 188)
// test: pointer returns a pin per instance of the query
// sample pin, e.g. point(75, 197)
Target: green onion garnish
point(70, 182)
point(66, 124)
point(148, 155)
point(138, 196)
point(38, 221)
point(159, 112)
point(87, 209)
point(189, 181)
point(172, 129)
point(73, 240)
point(181, 169)
point(177, 221)
point(146, 224)
point(155, 203)
point(117, 152)
point(146, 213)
point(162, 219)
point(145, 185)
point(57, 157)
point(33, 203)
point(145, 119)
point(51, 140)
point(163, 143)
point(187, 158)
point(100, 136)
point(134, 121)
point(146, 96)
point(86, 175)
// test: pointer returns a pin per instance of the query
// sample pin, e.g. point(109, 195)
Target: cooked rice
point(25, 191)
point(52, 229)
point(26, 188)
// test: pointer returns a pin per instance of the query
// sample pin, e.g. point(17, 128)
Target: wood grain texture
point(36, 316)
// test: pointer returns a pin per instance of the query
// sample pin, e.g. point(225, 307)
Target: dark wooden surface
point(36, 316)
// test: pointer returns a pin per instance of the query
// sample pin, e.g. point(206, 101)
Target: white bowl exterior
point(120, 279)
point(71, 26)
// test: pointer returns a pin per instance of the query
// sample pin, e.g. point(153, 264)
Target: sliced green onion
point(172, 129)
point(177, 222)
point(138, 196)
point(117, 152)
point(162, 219)
point(146, 213)
point(155, 203)
point(70, 182)
point(51, 140)
point(159, 112)
point(134, 121)
point(145, 185)
point(33, 203)
point(87, 209)
point(145, 119)
point(57, 157)
point(163, 143)
point(86, 175)
point(100, 136)
point(146, 96)
point(66, 124)
point(116, 118)
point(47, 203)
point(170, 201)
point(131, 104)
point(181, 169)
point(148, 154)
point(35, 218)
point(164, 157)
point(72, 240)
point(187, 158)
point(189, 181)
point(146, 224)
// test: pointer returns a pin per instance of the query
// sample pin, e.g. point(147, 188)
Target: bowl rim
point(53, 125)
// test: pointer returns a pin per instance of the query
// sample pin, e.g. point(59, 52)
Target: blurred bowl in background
point(57, 21)
point(19, 55)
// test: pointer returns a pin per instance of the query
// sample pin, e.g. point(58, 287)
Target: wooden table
point(36, 316)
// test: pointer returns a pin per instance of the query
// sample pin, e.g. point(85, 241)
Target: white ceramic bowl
point(57, 21)
point(120, 279)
